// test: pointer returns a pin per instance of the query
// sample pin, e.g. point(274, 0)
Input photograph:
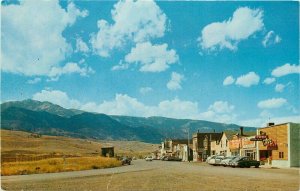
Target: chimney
point(242, 131)
point(270, 124)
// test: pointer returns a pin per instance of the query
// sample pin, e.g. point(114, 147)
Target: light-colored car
point(208, 158)
point(216, 160)
point(226, 160)
point(149, 158)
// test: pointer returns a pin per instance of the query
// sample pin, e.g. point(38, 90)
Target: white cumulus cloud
point(286, 69)
point(69, 68)
point(270, 39)
point(279, 87)
point(220, 111)
point(175, 81)
point(57, 97)
point(133, 21)
point(34, 81)
point(227, 34)
point(269, 81)
point(152, 58)
point(221, 107)
point(81, 46)
point(228, 81)
point(272, 103)
point(32, 41)
point(248, 80)
point(123, 104)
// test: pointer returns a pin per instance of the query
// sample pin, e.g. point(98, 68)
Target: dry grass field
point(23, 153)
point(57, 165)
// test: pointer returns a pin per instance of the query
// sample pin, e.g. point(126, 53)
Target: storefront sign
point(247, 143)
point(259, 138)
point(262, 136)
point(266, 141)
point(234, 144)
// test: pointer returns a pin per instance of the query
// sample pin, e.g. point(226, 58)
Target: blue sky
point(231, 62)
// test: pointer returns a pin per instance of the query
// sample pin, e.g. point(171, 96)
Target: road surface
point(160, 175)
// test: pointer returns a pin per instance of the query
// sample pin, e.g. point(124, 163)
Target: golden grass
point(18, 142)
point(20, 146)
point(57, 165)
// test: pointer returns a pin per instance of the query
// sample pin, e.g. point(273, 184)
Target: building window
point(281, 155)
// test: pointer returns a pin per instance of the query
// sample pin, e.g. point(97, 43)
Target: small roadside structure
point(107, 151)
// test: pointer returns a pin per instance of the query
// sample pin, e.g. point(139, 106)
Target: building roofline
point(274, 125)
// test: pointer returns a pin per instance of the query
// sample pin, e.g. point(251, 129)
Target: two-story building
point(279, 145)
point(221, 146)
point(177, 148)
point(202, 145)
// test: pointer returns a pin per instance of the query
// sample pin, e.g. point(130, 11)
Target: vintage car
point(208, 158)
point(226, 160)
point(172, 158)
point(245, 162)
point(126, 160)
point(148, 158)
point(215, 160)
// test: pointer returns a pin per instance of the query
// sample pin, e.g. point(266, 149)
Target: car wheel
point(256, 166)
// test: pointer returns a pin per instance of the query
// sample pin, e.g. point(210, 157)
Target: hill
point(41, 106)
point(51, 119)
point(18, 142)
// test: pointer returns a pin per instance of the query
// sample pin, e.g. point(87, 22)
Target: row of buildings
point(274, 145)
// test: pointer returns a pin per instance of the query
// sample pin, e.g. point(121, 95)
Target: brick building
point(279, 145)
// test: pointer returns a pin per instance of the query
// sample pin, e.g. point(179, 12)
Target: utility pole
point(188, 150)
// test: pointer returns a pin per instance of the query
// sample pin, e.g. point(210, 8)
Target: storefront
point(278, 145)
point(248, 147)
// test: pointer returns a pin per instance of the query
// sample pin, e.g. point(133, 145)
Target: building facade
point(202, 145)
point(248, 147)
point(177, 148)
point(279, 145)
point(221, 146)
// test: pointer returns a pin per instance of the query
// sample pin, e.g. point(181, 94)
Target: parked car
point(172, 158)
point(226, 160)
point(126, 160)
point(149, 158)
point(231, 162)
point(208, 158)
point(245, 162)
point(215, 160)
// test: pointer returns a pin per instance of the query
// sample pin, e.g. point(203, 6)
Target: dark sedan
point(244, 162)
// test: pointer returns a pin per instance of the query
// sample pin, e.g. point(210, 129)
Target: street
point(160, 175)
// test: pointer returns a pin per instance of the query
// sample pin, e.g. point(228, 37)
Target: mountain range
point(51, 119)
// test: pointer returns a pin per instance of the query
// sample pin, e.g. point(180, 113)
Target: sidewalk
point(274, 167)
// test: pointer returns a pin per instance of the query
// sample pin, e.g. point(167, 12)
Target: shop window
point(281, 155)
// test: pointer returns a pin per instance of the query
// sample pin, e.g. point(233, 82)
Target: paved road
point(137, 165)
point(160, 175)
